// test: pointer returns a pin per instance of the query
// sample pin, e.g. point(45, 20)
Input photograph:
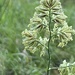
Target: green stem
point(49, 51)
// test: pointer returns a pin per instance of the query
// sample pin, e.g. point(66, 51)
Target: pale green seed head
point(37, 35)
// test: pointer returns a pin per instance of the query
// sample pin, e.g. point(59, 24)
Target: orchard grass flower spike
point(36, 37)
point(47, 26)
point(67, 68)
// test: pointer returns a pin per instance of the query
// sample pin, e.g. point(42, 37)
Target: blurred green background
point(14, 60)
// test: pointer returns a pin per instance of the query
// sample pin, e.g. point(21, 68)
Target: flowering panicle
point(67, 68)
point(36, 38)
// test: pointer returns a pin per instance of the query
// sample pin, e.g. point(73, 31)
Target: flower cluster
point(36, 38)
point(67, 68)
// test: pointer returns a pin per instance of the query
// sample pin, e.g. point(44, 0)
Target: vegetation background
point(14, 60)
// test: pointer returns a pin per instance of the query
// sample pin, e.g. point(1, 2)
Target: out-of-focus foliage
point(14, 18)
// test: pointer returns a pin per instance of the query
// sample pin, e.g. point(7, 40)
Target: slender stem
point(49, 51)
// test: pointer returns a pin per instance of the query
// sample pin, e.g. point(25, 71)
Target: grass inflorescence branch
point(47, 26)
point(49, 51)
